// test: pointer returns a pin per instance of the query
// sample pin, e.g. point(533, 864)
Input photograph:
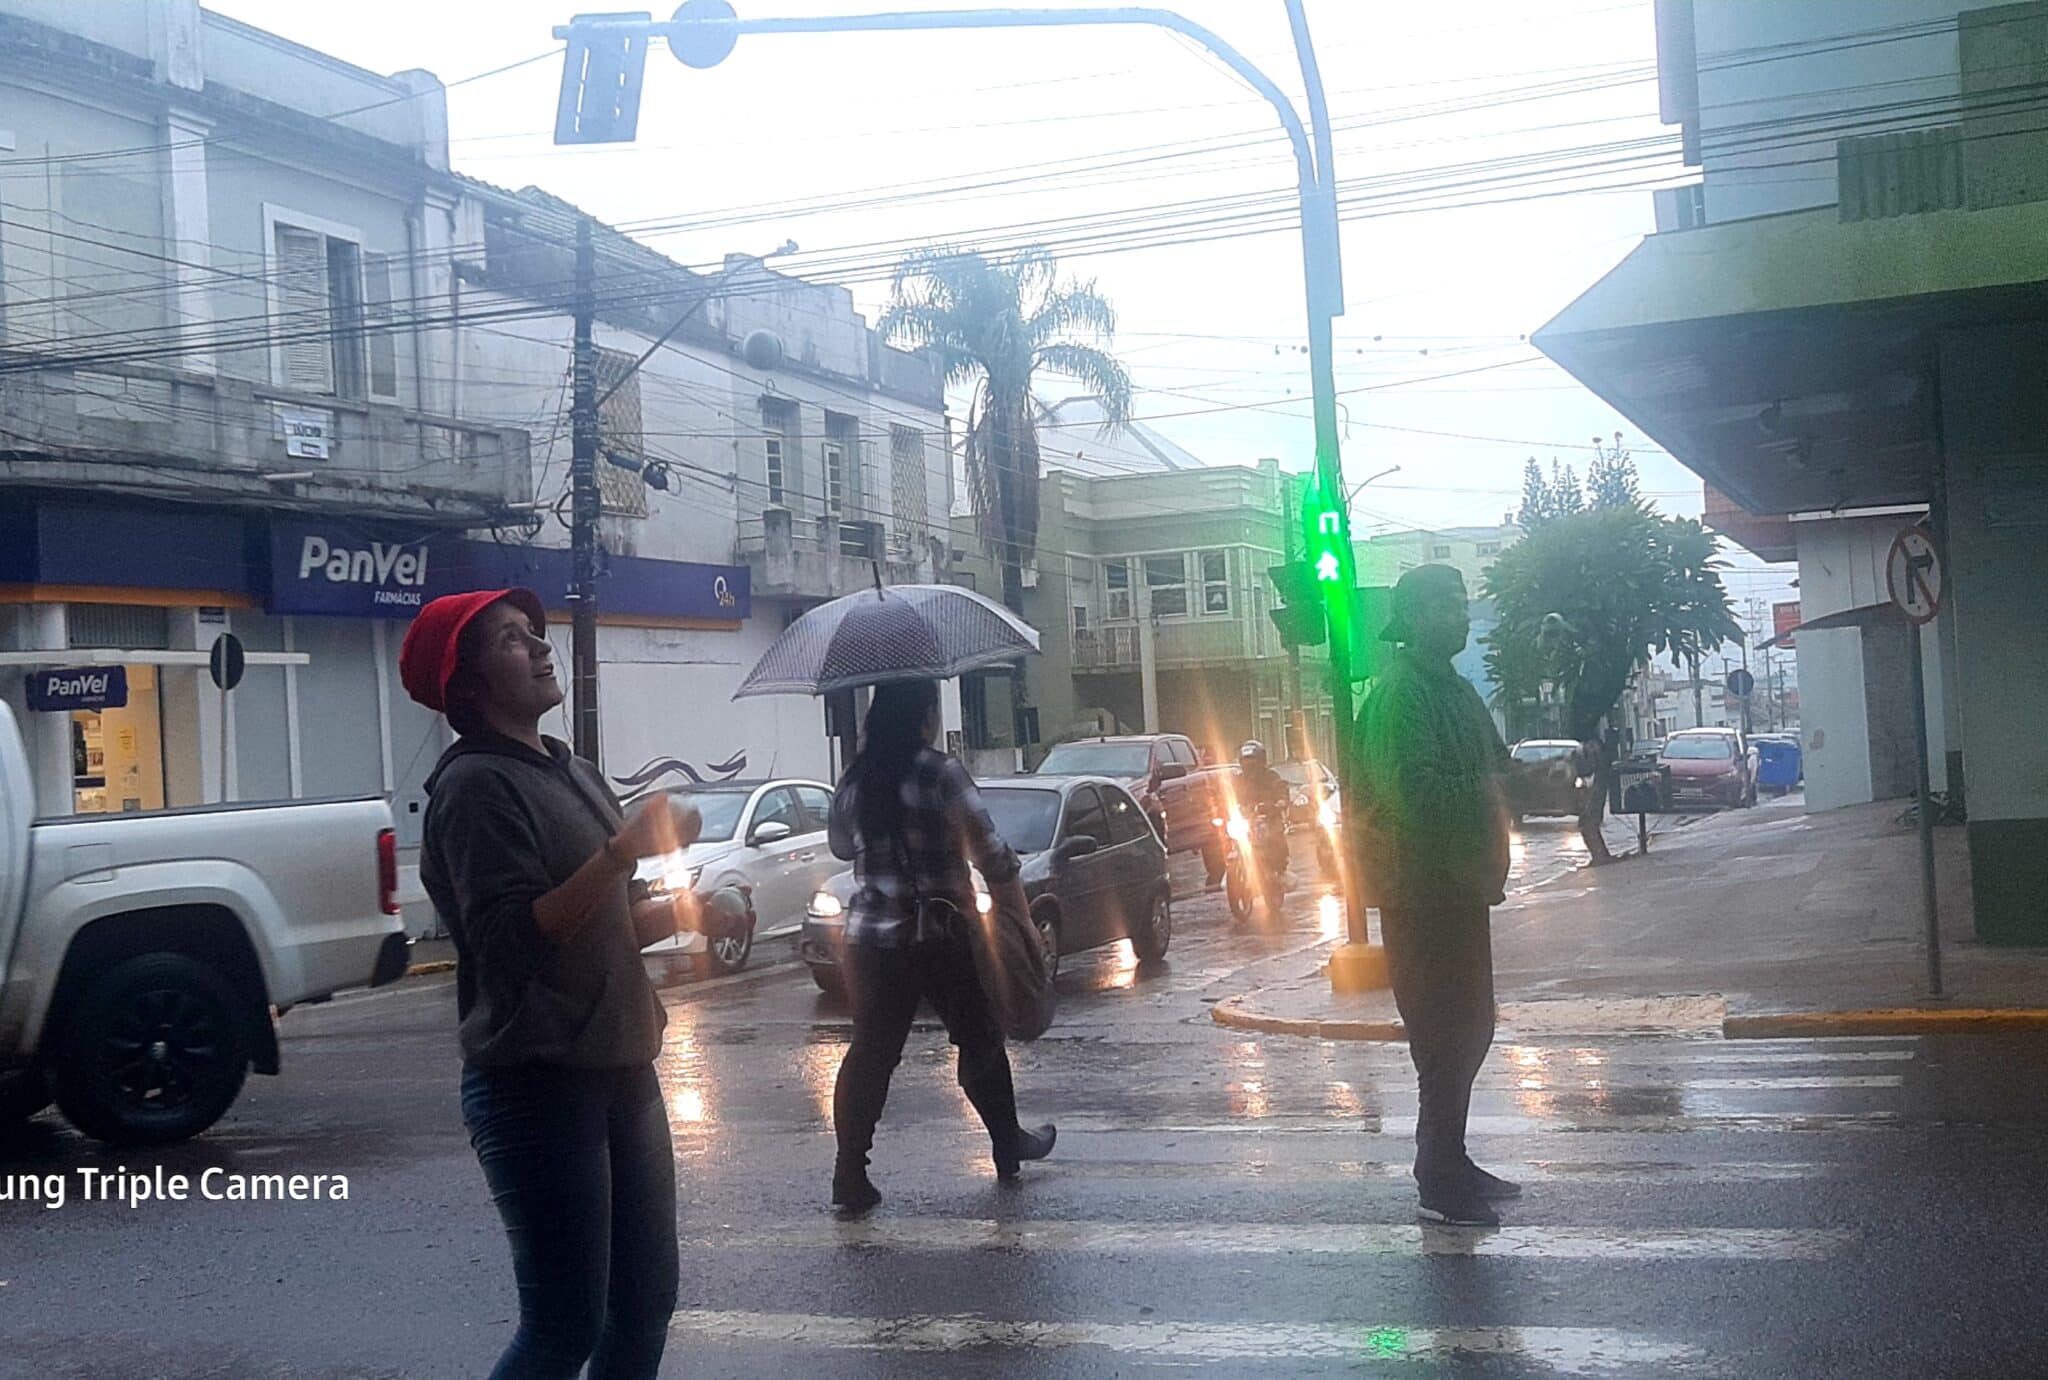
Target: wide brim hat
point(1409, 591)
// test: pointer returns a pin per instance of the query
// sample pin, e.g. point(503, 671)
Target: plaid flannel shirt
point(945, 826)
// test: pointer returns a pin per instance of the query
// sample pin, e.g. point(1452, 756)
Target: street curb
point(1904, 1020)
point(1773, 1025)
point(1231, 1012)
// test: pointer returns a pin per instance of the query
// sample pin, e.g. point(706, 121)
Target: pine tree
point(1611, 480)
point(1538, 507)
point(1566, 497)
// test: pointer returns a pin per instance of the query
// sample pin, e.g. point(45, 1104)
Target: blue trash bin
point(1778, 767)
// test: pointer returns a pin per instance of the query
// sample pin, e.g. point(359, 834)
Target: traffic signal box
point(1316, 594)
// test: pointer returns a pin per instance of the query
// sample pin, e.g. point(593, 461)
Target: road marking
point(1561, 1123)
point(1584, 1351)
point(1354, 1239)
point(1534, 1171)
point(1864, 1080)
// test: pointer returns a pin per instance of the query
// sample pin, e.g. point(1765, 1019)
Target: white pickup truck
point(144, 958)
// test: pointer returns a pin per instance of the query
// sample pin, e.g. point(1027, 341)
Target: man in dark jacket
point(1433, 840)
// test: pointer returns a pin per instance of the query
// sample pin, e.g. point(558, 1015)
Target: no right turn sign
point(1912, 574)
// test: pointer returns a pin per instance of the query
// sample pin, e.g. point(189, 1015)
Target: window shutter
point(304, 321)
point(383, 340)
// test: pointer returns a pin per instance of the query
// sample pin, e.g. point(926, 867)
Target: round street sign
point(225, 662)
point(699, 40)
point(1913, 576)
point(1740, 683)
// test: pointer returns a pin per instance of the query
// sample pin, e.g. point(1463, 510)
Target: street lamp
point(1359, 487)
point(600, 89)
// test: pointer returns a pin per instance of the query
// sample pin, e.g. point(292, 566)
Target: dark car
point(1546, 777)
point(1708, 768)
point(1309, 784)
point(1164, 772)
point(1094, 872)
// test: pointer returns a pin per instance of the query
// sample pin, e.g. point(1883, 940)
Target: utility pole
point(584, 500)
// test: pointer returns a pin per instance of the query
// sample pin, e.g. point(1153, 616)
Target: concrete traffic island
point(1767, 923)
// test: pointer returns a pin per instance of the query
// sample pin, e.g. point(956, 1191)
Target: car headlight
point(1326, 814)
point(673, 875)
point(825, 906)
point(1239, 828)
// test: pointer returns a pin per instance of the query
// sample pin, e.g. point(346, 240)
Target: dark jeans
point(884, 987)
point(584, 1175)
point(1441, 961)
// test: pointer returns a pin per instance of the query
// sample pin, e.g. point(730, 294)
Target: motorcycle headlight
point(1326, 814)
point(825, 906)
point(1301, 800)
point(1239, 828)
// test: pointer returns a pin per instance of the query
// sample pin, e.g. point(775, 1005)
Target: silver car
point(765, 837)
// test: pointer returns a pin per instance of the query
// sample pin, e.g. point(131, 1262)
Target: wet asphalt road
point(1221, 1203)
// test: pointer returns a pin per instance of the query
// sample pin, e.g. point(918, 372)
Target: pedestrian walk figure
point(1433, 838)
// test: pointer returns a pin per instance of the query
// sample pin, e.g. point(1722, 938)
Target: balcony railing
point(824, 556)
point(1175, 643)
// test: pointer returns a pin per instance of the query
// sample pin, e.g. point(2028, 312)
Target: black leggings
point(884, 987)
point(584, 1175)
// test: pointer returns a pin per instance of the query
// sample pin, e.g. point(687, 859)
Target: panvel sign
point(78, 687)
point(332, 571)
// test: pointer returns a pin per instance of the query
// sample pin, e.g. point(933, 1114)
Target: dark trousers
point(884, 987)
point(1441, 962)
point(584, 1175)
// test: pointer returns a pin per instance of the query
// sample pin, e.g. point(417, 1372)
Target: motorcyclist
point(1258, 784)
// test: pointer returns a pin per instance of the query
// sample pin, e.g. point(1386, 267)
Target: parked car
point(764, 838)
point(1164, 772)
point(1712, 768)
point(1094, 872)
point(1546, 776)
point(145, 958)
point(1309, 784)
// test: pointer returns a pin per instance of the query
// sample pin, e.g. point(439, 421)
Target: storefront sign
point(331, 571)
point(78, 687)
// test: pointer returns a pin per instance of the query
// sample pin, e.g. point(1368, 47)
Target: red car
point(1708, 768)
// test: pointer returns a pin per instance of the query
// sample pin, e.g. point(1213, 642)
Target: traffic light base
point(1358, 968)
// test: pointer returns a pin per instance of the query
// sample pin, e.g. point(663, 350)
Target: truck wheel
point(153, 1051)
point(23, 1093)
point(1152, 934)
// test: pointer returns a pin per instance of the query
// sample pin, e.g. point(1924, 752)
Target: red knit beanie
point(426, 661)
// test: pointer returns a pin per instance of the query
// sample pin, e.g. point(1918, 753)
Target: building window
point(909, 490)
point(778, 424)
point(1116, 578)
point(835, 477)
point(842, 458)
point(620, 441)
point(1440, 552)
point(335, 319)
point(1215, 581)
point(1166, 585)
point(1080, 619)
point(1489, 548)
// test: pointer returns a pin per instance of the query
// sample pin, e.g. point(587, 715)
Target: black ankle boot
point(1029, 1145)
point(852, 1193)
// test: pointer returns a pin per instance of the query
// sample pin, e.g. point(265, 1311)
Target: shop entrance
point(117, 755)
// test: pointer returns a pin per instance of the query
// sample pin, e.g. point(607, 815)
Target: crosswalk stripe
point(1399, 1171)
point(1575, 1351)
point(1487, 1124)
point(1285, 1238)
point(1793, 1082)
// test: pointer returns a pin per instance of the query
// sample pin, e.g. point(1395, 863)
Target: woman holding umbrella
point(909, 819)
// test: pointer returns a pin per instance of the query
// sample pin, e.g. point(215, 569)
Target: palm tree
point(997, 322)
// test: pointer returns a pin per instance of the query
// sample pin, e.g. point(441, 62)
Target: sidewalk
point(1754, 923)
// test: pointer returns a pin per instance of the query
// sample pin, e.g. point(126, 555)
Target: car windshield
point(1544, 752)
point(1025, 817)
point(1126, 760)
point(1706, 748)
point(720, 808)
point(1295, 773)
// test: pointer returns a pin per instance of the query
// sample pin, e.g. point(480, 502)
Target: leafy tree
point(995, 323)
point(1624, 583)
point(1611, 477)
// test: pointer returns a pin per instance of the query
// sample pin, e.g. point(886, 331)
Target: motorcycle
point(1259, 841)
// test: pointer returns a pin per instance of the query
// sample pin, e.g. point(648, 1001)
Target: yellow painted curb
point(436, 965)
point(1902, 1020)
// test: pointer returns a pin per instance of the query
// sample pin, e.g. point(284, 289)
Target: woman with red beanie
point(529, 860)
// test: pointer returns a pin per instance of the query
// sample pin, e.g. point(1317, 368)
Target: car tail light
point(387, 871)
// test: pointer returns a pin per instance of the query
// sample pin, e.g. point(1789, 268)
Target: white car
point(766, 838)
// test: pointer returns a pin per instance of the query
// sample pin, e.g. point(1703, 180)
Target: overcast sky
point(1077, 124)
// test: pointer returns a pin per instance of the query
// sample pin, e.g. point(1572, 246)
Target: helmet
point(1252, 754)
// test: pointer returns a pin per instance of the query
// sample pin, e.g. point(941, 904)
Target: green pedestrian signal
point(1328, 567)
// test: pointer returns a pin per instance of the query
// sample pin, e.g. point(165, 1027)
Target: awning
point(1791, 361)
point(141, 656)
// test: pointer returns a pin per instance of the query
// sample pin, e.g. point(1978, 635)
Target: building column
point(1148, 657)
point(49, 735)
point(189, 229)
